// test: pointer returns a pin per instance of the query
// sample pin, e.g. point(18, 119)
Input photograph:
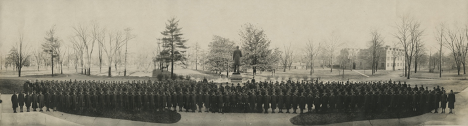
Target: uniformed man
point(451, 101)
point(317, 102)
point(14, 101)
point(206, 101)
point(302, 102)
point(266, 102)
point(436, 101)
point(295, 102)
point(41, 100)
point(252, 101)
point(35, 100)
point(443, 101)
point(220, 102)
point(27, 101)
point(21, 101)
point(50, 98)
point(273, 101)
point(193, 101)
point(324, 102)
point(287, 104)
point(259, 102)
point(200, 101)
point(180, 100)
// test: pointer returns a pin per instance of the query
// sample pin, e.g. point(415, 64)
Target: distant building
point(389, 58)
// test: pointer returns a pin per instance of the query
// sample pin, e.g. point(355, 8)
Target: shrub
point(166, 77)
point(187, 77)
point(181, 77)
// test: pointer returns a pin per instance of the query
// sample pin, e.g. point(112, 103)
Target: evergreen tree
point(173, 43)
point(256, 49)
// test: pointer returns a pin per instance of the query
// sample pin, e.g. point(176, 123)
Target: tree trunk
point(110, 72)
point(19, 71)
point(89, 71)
point(61, 66)
point(415, 66)
point(464, 72)
point(409, 70)
point(311, 68)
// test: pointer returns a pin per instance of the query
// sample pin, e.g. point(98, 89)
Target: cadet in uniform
point(14, 101)
point(443, 101)
point(27, 101)
point(21, 101)
point(451, 101)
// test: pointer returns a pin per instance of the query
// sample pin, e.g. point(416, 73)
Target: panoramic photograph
point(233, 62)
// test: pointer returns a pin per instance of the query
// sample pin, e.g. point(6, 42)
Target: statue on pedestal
point(236, 57)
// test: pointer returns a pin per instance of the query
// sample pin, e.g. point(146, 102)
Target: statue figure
point(236, 57)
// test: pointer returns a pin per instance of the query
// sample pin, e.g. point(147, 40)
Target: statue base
point(236, 78)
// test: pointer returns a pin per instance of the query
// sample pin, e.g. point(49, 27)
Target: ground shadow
point(339, 117)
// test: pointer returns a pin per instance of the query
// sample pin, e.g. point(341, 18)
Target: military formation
point(256, 97)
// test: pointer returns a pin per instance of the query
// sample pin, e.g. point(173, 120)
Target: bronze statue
point(236, 56)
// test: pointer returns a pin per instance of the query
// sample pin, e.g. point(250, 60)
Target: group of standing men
point(321, 97)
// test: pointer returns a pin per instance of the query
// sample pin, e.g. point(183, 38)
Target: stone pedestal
point(236, 78)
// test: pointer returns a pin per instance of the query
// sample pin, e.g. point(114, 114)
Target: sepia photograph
point(233, 62)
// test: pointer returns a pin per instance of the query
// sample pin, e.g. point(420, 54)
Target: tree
point(87, 41)
point(18, 56)
point(111, 45)
point(220, 54)
point(454, 40)
point(128, 36)
point(343, 59)
point(38, 58)
point(439, 36)
point(375, 49)
point(331, 45)
point(197, 49)
point(78, 49)
point(286, 59)
point(418, 54)
point(408, 34)
point(173, 42)
point(52, 46)
point(256, 49)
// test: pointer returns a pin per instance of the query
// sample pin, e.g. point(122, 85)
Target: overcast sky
point(284, 21)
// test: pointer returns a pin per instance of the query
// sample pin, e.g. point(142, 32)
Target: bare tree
point(38, 58)
point(115, 40)
point(312, 52)
point(418, 53)
point(87, 41)
point(331, 45)
point(78, 52)
point(454, 40)
point(286, 59)
point(128, 36)
point(18, 56)
point(408, 34)
point(375, 48)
